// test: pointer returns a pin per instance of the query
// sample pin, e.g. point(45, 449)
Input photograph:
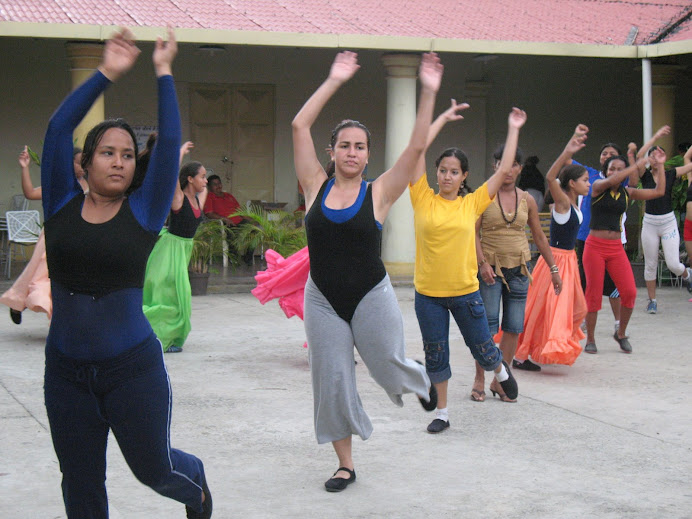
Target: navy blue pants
point(131, 395)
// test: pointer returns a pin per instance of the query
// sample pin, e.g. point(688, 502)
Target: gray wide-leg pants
point(377, 330)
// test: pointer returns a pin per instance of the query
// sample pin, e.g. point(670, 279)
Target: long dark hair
point(518, 157)
point(457, 153)
point(567, 173)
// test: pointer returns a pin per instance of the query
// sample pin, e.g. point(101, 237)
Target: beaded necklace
point(516, 208)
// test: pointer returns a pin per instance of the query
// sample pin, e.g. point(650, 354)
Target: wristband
point(554, 269)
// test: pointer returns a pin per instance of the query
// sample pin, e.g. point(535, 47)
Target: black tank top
point(345, 259)
point(663, 204)
point(97, 259)
point(565, 236)
point(607, 210)
point(184, 223)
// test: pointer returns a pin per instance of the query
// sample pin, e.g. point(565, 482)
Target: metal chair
point(19, 203)
point(23, 229)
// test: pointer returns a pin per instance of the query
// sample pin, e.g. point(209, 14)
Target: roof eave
point(350, 41)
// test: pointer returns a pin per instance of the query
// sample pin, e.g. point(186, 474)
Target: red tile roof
point(607, 22)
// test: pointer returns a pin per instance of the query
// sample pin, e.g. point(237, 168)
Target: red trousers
point(601, 255)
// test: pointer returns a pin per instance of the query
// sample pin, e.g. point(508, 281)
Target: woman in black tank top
point(343, 225)
point(603, 249)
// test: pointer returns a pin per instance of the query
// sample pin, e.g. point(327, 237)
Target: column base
point(399, 269)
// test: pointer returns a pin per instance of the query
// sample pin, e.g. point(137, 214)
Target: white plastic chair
point(22, 229)
point(19, 203)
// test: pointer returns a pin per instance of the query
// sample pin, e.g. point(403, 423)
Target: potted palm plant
point(278, 230)
point(206, 245)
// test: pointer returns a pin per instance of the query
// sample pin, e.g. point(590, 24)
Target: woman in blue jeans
point(104, 364)
point(445, 273)
point(504, 257)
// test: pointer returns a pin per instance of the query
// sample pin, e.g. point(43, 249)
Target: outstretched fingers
point(452, 113)
point(119, 54)
point(164, 53)
point(345, 65)
point(430, 71)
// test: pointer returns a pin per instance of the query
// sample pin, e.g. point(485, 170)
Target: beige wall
point(556, 92)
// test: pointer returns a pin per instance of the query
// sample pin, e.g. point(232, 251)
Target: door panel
point(233, 131)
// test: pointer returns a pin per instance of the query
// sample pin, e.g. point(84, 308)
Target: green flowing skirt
point(167, 300)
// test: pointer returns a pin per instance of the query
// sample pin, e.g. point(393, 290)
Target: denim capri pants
point(513, 297)
point(469, 313)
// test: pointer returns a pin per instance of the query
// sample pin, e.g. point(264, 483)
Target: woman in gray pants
point(348, 297)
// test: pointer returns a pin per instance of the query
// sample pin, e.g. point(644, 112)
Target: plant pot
point(199, 282)
point(638, 271)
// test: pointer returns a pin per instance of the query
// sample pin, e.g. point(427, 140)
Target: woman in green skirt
point(167, 295)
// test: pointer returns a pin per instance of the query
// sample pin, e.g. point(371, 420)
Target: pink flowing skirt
point(32, 288)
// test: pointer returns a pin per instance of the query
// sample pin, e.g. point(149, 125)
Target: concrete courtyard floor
point(610, 437)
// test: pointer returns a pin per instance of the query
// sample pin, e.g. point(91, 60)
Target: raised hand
point(186, 147)
point(517, 118)
point(430, 71)
point(632, 149)
point(164, 54)
point(662, 131)
point(119, 55)
point(452, 113)
point(345, 65)
point(24, 159)
point(578, 140)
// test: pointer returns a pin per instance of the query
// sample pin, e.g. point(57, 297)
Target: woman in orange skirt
point(551, 324)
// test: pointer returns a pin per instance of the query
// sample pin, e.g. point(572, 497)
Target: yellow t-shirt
point(446, 240)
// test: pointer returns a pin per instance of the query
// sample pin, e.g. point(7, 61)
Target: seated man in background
point(220, 205)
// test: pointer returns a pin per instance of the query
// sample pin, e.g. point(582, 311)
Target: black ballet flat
point(338, 484)
point(16, 316)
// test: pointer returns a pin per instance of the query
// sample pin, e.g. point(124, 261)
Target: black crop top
point(607, 210)
point(345, 259)
point(97, 259)
point(184, 223)
point(663, 204)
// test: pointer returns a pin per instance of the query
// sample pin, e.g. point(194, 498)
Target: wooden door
point(232, 127)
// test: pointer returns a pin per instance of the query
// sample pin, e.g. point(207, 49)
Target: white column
point(398, 238)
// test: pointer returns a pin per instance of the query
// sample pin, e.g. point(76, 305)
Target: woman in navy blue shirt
point(104, 364)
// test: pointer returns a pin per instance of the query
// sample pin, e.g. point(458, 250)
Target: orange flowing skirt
point(552, 322)
point(32, 288)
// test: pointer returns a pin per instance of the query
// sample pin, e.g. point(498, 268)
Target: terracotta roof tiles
point(607, 22)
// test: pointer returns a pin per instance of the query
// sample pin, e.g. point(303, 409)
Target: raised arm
point(152, 202)
point(178, 194)
point(656, 158)
point(600, 185)
point(686, 168)
point(576, 143)
point(309, 170)
point(30, 192)
point(661, 132)
point(391, 184)
point(449, 115)
point(516, 119)
point(57, 172)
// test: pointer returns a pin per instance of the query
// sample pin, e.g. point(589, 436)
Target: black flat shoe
point(437, 426)
point(16, 316)
point(338, 484)
point(207, 504)
point(526, 365)
point(431, 404)
point(510, 386)
point(590, 348)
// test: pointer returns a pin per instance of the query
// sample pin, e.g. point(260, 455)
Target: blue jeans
point(130, 395)
point(469, 313)
point(513, 300)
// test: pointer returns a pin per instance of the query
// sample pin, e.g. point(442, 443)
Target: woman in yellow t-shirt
point(446, 272)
